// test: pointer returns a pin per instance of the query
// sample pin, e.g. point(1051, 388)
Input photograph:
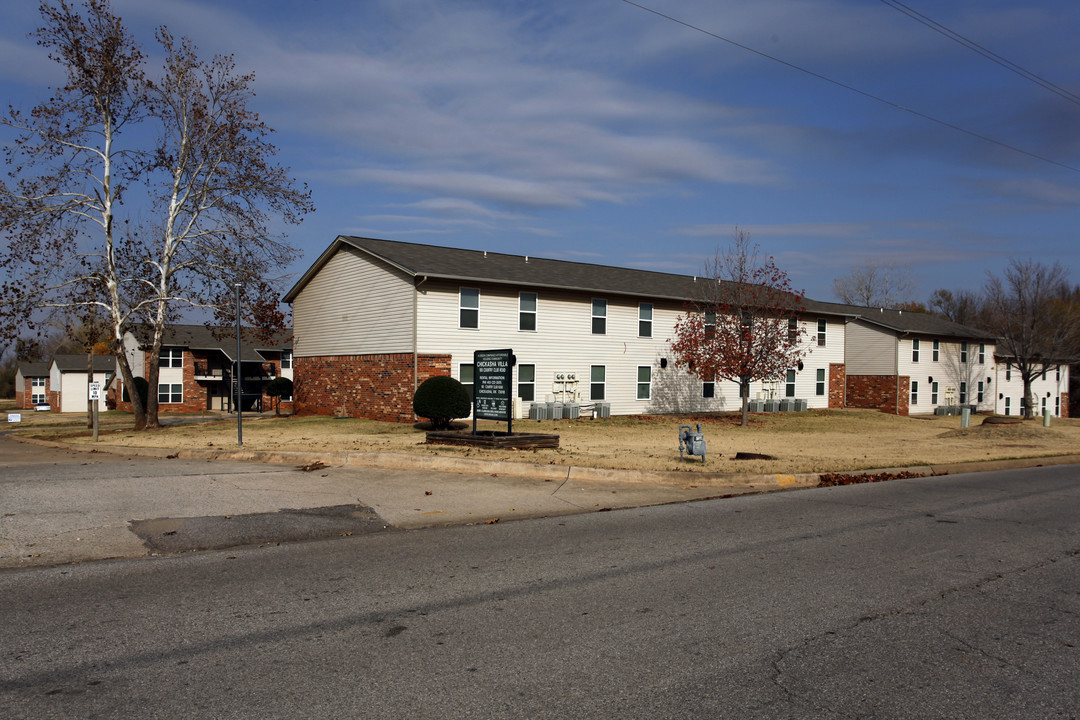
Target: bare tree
point(745, 326)
point(1036, 316)
point(199, 166)
point(874, 285)
point(963, 307)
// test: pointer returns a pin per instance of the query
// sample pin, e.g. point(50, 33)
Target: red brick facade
point(879, 392)
point(24, 395)
point(1065, 404)
point(837, 385)
point(376, 387)
point(199, 395)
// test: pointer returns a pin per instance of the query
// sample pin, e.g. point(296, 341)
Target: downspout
point(416, 334)
point(898, 375)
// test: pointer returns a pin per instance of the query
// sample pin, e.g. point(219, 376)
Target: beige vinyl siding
point(564, 343)
point(354, 306)
point(869, 350)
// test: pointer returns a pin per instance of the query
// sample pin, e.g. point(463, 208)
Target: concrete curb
point(403, 461)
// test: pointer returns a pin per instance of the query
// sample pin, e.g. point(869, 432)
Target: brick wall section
point(376, 387)
point(1065, 404)
point(879, 392)
point(837, 385)
point(24, 395)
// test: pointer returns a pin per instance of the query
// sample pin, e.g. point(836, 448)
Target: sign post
point(492, 387)
point(95, 397)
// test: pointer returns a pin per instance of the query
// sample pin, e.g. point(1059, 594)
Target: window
point(915, 350)
point(982, 353)
point(599, 317)
point(792, 330)
point(1058, 374)
point(914, 392)
point(1023, 405)
point(527, 382)
point(1008, 402)
point(527, 311)
point(1008, 373)
point(467, 377)
point(1057, 406)
point(963, 393)
point(819, 385)
point(1044, 405)
point(963, 352)
point(38, 396)
point(933, 393)
point(937, 350)
point(710, 325)
point(597, 382)
point(1044, 372)
point(171, 358)
point(469, 308)
point(789, 387)
point(821, 333)
point(644, 382)
point(644, 320)
point(708, 389)
point(286, 359)
point(170, 393)
point(979, 393)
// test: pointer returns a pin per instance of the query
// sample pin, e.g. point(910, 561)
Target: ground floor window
point(979, 393)
point(933, 393)
point(597, 382)
point(819, 386)
point(1008, 409)
point(644, 382)
point(789, 387)
point(527, 382)
point(466, 374)
point(170, 393)
point(708, 389)
point(963, 393)
point(914, 392)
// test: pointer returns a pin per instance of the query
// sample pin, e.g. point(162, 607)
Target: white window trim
point(914, 350)
point(603, 384)
point(461, 307)
point(535, 312)
point(593, 316)
point(527, 382)
point(639, 383)
point(169, 393)
point(642, 321)
point(822, 329)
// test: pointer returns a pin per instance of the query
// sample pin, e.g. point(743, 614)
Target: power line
point(851, 88)
point(976, 47)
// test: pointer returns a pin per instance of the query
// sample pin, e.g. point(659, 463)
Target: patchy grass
point(813, 441)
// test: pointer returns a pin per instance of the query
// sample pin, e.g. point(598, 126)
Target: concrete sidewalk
point(57, 510)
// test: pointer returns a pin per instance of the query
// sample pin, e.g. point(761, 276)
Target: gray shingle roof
point(434, 261)
point(223, 340)
point(36, 369)
point(77, 363)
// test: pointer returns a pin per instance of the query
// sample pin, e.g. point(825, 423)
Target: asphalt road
point(947, 597)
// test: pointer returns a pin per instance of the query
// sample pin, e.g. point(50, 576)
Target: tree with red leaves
point(745, 327)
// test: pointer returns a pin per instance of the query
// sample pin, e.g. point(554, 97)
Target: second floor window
point(469, 308)
point(644, 312)
point(599, 317)
point(821, 333)
point(172, 358)
point(963, 352)
point(527, 311)
point(937, 350)
point(915, 350)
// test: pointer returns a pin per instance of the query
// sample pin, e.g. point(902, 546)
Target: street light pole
point(239, 375)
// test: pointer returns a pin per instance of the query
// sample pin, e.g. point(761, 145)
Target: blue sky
point(592, 130)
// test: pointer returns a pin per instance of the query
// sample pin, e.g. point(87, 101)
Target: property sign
point(493, 379)
point(14, 417)
point(95, 391)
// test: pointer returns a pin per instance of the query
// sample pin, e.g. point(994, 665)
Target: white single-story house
point(374, 318)
point(69, 381)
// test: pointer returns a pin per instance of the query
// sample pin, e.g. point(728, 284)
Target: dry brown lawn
point(814, 441)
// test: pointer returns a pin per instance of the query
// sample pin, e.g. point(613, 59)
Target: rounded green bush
point(441, 399)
